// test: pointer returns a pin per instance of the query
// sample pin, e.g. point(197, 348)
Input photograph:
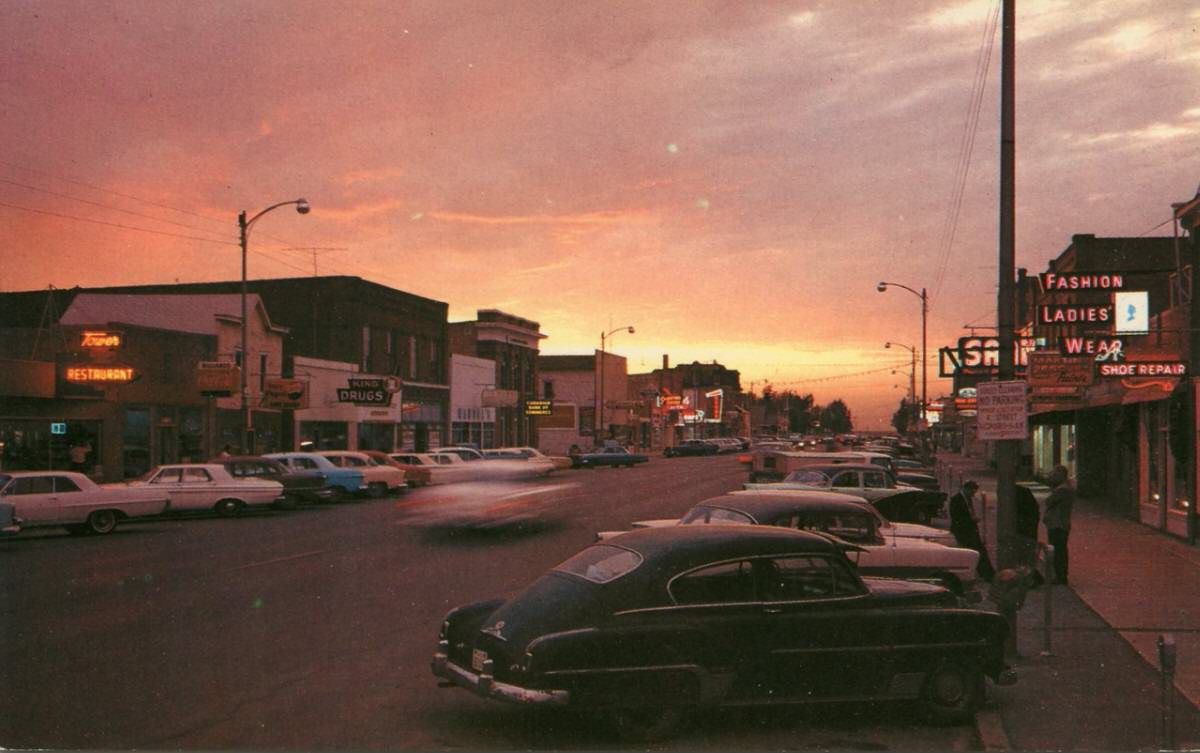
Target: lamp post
point(604, 336)
point(912, 374)
point(244, 232)
point(882, 287)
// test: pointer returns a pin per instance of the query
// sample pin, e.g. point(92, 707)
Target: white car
point(75, 502)
point(495, 469)
point(877, 551)
point(529, 454)
point(379, 479)
point(208, 486)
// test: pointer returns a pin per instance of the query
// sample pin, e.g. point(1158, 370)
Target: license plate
point(477, 659)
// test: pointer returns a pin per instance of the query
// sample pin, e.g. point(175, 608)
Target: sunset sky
point(730, 178)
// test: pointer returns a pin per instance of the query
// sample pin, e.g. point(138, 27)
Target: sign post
point(1002, 412)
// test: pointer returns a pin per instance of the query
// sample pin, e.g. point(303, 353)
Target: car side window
point(167, 476)
point(720, 515)
point(846, 480)
point(306, 463)
point(338, 461)
point(64, 484)
point(32, 485)
point(726, 583)
point(802, 578)
point(874, 480)
point(196, 476)
point(354, 462)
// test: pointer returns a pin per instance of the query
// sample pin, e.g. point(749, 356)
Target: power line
point(896, 365)
point(110, 191)
point(1156, 227)
point(117, 225)
point(104, 206)
point(967, 145)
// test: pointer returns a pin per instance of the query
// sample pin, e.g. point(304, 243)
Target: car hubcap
point(949, 688)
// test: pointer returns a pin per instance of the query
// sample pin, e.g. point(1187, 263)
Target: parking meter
point(1166, 653)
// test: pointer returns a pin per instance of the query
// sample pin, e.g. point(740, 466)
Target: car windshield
point(716, 515)
point(812, 478)
point(601, 563)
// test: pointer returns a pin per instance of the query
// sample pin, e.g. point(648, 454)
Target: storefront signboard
point(1101, 348)
point(100, 374)
point(218, 378)
point(58, 428)
point(285, 394)
point(1142, 369)
point(371, 392)
point(1002, 412)
point(1132, 312)
point(1053, 282)
point(1071, 313)
point(1049, 369)
point(101, 339)
point(497, 398)
point(981, 355)
point(537, 408)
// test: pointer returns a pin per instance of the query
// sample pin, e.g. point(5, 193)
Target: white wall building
point(470, 421)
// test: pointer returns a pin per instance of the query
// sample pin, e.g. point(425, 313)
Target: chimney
point(666, 361)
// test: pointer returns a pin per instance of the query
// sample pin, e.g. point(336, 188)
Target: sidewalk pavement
point(1099, 688)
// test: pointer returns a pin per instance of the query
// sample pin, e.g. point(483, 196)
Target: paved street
point(313, 629)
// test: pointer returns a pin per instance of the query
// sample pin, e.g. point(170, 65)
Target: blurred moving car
point(343, 483)
point(690, 447)
point(650, 624)
point(298, 485)
point(72, 501)
point(414, 475)
point(919, 480)
point(480, 505)
point(611, 456)
point(194, 487)
point(379, 479)
point(532, 453)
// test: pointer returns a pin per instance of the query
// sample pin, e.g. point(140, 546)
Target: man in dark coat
point(1058, 519)
point(966, 530)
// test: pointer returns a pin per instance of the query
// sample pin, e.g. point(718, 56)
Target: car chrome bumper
point(485, 685)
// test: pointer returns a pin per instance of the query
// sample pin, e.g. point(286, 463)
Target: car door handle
point(772, 610)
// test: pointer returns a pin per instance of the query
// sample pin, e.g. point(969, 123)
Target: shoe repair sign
point(1002, 411)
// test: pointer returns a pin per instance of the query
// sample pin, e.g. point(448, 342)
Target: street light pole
point(244, 224)
point(883, 286)
point(912, 372)
point(602, 416)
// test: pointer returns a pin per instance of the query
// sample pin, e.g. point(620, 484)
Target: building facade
point(511, 342)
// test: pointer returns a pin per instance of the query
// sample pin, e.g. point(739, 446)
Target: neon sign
point(100, 374)
point(100, 339)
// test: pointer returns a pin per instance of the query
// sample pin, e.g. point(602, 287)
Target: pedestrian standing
point(966, 529)
point(1057, 519)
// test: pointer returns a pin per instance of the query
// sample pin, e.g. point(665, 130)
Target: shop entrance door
point(168, 445)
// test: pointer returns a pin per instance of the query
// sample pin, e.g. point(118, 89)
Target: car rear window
point(602, 563)
point(702, 514)
point(812, 478)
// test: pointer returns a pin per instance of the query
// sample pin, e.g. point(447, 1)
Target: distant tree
point(904, 416)
point(835, 418)
point(799, 412)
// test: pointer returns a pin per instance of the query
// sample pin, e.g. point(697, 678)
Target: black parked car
point(298, 486)
point(652, 623)
point(691, 447)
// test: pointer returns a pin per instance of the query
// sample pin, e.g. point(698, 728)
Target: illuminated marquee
point(1143, 369)
point(1074, 314)
point(100, 374)
point(1052, 281)
point(100, 339)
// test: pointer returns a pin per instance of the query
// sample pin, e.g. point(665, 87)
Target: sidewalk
point(1099, 689)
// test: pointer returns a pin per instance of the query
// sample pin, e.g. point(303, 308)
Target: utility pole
point(1007, 450)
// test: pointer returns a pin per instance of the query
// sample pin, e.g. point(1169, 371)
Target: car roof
point(245, 458)
point(838, 467)
point(763, 505)
point(676, 547)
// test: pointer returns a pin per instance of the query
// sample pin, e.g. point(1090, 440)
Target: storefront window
point(323, 435)
point(1156, 475)
point(31, 444)
point(376, 437)
point(135, 442)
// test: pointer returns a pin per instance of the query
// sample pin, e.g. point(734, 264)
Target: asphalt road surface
point(313, 630)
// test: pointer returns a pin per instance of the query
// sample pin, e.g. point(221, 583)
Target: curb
point(990, 729)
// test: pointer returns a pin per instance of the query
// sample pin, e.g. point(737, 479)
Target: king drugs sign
point(373, 392)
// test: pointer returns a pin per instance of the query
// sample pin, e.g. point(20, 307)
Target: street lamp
point(882, 287)
point(912, 374)
point(244, 224)
point(604, 336)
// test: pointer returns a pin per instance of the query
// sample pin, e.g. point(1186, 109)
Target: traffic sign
point(1002, 411)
